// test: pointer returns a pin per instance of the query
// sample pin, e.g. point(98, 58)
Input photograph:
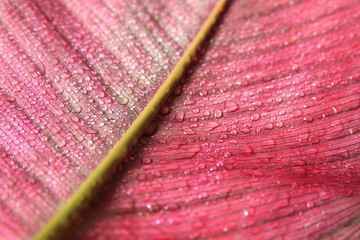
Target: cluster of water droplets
point(261, 132)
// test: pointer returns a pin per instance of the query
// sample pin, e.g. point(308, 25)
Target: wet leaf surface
point(74, 76)
point(263, 141)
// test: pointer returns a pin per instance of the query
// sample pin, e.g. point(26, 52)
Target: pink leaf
point(263, 143)
point(74, 77)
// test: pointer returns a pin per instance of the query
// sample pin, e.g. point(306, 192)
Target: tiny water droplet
point(188, 131)
point(61, 143)
point(179, 117)
point(211, 125)
point(146, 160)
point(296, 113)
point(123, 100)
point(217, 113)
point(189, 102)
point(220, 164)
point(203, 195)
point(151, 129)
point(203, 93)
point(249, 212)
point(201, 166)
point(101, 94)
point(279, 124)
point(308, 118)
point(300, 171)
point(164, 109)
point(255, 117)
point(309, 204)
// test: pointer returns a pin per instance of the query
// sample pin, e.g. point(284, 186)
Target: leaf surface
point(74, 77)
point(262, 143)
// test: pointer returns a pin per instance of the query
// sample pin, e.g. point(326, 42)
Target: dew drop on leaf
point(296, 113)
point(218, 113)
point(231, 106)
point(146, 160)
point(179, 117)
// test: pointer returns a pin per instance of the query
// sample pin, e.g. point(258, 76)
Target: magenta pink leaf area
point(74, 75)
point(263, 141)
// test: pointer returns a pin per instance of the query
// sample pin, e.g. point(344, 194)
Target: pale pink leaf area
point(74, 75)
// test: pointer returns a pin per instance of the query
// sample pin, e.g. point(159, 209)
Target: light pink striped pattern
point(73, 77)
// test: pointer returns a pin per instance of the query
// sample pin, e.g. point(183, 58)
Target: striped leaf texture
point(74, 76)
point(260, 140)
point(263, 141)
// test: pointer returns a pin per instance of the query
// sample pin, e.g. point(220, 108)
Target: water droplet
point(3, 152)
point(153, 207)
point(188, 131)
point(246, 150)
point(203, 195)
point(203, 93)
point(201, 166)
point(186, 152)
point(146, 160)
point(279, 124)
point(217, 113)
point(189, 102)
point(245, 130)
point(157, 174)
point(220, 164)
point(300, 171)
point(309, 204)
point(295, 67)
point(101, 94)
point(179, 117)
point(255, 117)
point(141, 177)
point(249, 212)
point(211, 125)
point(231, 106)
point(164, 109)
point(151, 129)
point(296, 113)
point(61, 143)
point(283, 200)
point(298, 163)
point(308, 118)
point(196, 110)
point(227, 154)
point(257, 103)
point(123, 100)
point(269, 126)
point(300, 94)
